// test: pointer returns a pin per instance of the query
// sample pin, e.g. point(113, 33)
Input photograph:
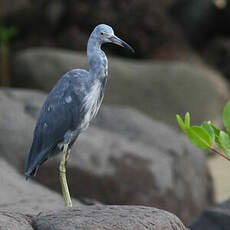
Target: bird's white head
point(105, 34)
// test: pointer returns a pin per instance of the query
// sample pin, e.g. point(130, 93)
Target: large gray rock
point(108, 217)
point(159, 89)
point(14, 221)
point(17, 124)
point(94, 218)
point(127, 159)
point(28, 197)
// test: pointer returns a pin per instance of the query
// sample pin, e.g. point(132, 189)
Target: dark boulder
point(203, 20)
point(217, 54)
point(144, 24)
point(214, 218)
point(12, 6)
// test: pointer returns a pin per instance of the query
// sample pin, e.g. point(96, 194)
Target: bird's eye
point(102, 33)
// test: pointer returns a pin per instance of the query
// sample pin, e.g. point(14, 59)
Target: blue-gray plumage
point(72, 103)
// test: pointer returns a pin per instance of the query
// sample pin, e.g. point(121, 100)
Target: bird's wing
point(60, 113)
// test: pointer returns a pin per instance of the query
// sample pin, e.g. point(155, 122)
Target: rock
point(201, 20)
point(14, 221)
point(217, 53)
point(19, 195)
point(140, 162)
point(67, 24)
point(214, 218)
point(152, 33)
point(108, 217)
point(17, 129)
point(159, 89)
point(94, 218)
point(118, 161)
point(56, 64)
point(12, 6)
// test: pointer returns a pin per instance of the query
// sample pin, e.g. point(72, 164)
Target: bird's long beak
point(114, 39)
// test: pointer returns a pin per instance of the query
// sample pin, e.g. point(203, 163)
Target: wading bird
point(70, 106)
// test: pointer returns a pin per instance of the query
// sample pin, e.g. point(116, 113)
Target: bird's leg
point(62, 176)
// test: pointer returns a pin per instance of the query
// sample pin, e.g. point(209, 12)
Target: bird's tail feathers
point(34, 159)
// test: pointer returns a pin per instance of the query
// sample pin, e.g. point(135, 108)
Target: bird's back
point(62, 111)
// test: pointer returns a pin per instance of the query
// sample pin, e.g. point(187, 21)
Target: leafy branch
point(207, 136)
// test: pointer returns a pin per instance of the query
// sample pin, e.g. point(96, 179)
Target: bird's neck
point(98, 64)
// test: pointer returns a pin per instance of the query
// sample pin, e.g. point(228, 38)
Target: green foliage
point(226, 117)
point(7, 33)
point(224, 142)
point(217, 133)
point(187, 119)
point(208, 128)
point(207, 135)
point(199, 137)
point(181, 122)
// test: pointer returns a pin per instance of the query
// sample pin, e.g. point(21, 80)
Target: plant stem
point(62, 176)
point(220, 153)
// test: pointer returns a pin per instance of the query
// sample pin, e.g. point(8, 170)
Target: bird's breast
point(92, 102)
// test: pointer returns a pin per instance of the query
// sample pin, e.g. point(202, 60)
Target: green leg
point(62, 176)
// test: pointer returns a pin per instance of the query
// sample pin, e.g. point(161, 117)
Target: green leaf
point(180, 122)
point(187, 119)
point(215, 129)
point(226, 117)
point(217, 134)
point(207, 127)
point(199, 137)
point(225, 142)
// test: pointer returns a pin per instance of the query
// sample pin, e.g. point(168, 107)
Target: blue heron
point(70, 106)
